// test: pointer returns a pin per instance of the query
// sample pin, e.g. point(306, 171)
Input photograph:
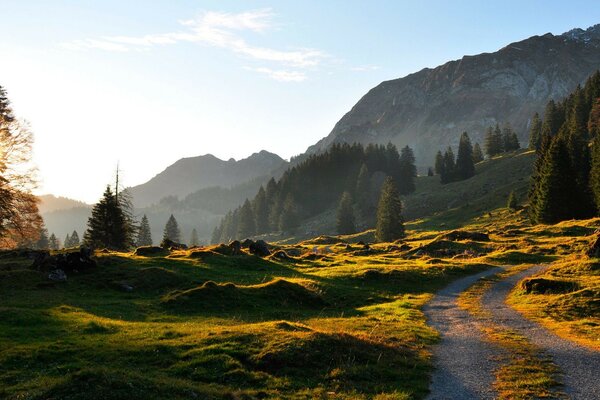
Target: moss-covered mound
point(151, 251)
point(583, 303)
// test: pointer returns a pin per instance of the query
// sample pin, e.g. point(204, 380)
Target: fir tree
point(407, 171)
point(194, 240)
point(43, 242)
point(510, 141)
point(552, 120)
point(246, 225)
point(535, 132)
point(594, 119)
point(439, 162)
point(363, 191)
point(74, 239)
point(261, 211)
point(595, 172)
point(144, 237)
point(108, 226)
point(430, 171)
point(53, 242)
point(67, 242)
point(464, 161)
point(345, 222)
point(512, 203)
point(390, 223)
point(290, 216)
point(493, 141)
point(216, 234)
point(447, 173)
point(171, 231)
point(477, 154)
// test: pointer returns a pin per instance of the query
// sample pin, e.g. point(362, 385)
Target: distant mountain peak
point(590, 34)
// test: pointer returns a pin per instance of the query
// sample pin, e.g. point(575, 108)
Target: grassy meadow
point(341, 324)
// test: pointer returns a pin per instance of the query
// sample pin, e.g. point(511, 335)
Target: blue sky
point(148, 82)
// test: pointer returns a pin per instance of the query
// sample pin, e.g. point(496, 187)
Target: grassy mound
point(279, 293)
point(324, 239)
point(447, 248)
point(583, 303)
point(151, 251)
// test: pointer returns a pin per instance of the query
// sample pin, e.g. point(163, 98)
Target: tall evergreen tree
point(290, 216)
point(477, 154)
point(261, 211)
point(346, 222)
point(512, 203)
point(74, 239)
point(107, 227)
point(67, 242)
point(510, 140)
point(594, 119)
point(447, 174)
point(43, 242)
point(464, 160)
point(535, 132)
point(595, 172)
point(171, 231)
point(363, 191)
point(390, 223)
point(216, 234)
point(246, 225)
point(53, 242)
point(144, 237)
point(552, 120)
point(407, 171)
point(194, 240)
point(439, 162)
point(493, 141)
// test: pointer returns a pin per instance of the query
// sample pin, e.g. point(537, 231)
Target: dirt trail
point(464, 361)
point(580, 366)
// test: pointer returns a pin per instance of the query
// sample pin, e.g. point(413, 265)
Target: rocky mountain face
point(189, 175)
point(429, 109)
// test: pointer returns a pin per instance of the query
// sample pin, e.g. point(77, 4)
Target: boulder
point(72, 261)
point(58, 275)
point(171, 245)
point(594, 250)
point(282, 255)
point(260, 248)
point(151, 251)
point(546, 286)
point(466, 235)
point(247, 243)
point(236, 248)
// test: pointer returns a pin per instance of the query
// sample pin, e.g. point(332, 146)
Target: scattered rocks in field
point(125, 287)
point(58, 275)
point(260, 248)
point(324, 239)
point(70, 262)
point(202, 254)
point(282, 255)
point(236, 248)
point(547, 286)
point(246, 243)
point(466, 235)
point(171, 245)
point(151, 251)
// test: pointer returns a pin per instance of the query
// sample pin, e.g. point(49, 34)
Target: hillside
point(189, 175)
point(426, 109)
point(49, 203)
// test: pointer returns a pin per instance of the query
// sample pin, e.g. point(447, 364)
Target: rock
point(151, 251)
point(247, 243)
point(58, 275)
point(546, 286)
point(171, 245)
point(260, 248)
point(466, 235)
point(404, 247)
point(282, 255)
point(236, 248)
point(125, 287)
point(70, 262)
point(594, 250)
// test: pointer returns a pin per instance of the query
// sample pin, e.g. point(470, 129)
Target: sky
point(144, 83)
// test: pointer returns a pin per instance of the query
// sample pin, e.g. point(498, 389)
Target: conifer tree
point(363, 191)
point(493, 141)
point(108, 226)
point(439, 162)
point(216, 234)
point(595, 172)
point(43, 242)
point(171, 231)
point(144, 237)
point(535, 132)
point(510, 141)
point(464, 161)
point(53, 242)
point(345, 222)
point(447, 174)
point(477, 154)
point(290, 218)
point(552, 120)
point(194, 240)
point(512, 203)
point(594, 119)
point(261, 211)
point(430, 171)
point(67, 242)
point(390, 223)
point(246, 225)
point(74, 239)
point(407, 171)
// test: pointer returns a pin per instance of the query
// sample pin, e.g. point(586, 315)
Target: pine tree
point(290, 216)
point(194, 240)
point(552, 120)
point(216, 234)
point(535, 132)
point(439, 162)
point(246, 226)
point(407, 171)
point(510, 140)
point(261, 211)
point(67, 242)
point(108, 226)
point(493, 141)
point(477, 154)
point(430, 171)
point(171, 231)
point(144, 237)
point(464, 161)
point(390, 223)
point(43, 242)
point(74, 239)
point(449, 166)
point(363, 192)
point(595, 172)
point(512, 203)
point(345, 222)
point(594, 119)
point(53, 242)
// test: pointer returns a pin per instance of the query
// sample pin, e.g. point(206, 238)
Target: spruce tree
point(552, 120)
point(67, 242)
point(430, 171)
point(477, 154)
point(43, 242)
point(345, 222)
point(216, 234)
point(595, 172)
point(171, 231)
point(363, 191)
point(464, 161)
point(246, 225)
point(447, 174)
point(261, 211)
point(594, 119)
point(512, 203)
point(407, 171)
point(390, 223)
point(144, 237)
point(439, 162)
point(194, 240)
point(74, 239)
point(535, 132)
point(53, 242)
point(108, 226)
point(289, 219)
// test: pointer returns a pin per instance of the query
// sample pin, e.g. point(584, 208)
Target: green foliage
point(363, 192)
point(345, 220)
point(535, 132)
point(171, 231)
point(439, 162)
point(448, 166)
point(144, 237)
point(109, 227)
point(43, 242)
point(407, 171)
point(477, 154)
point(510, 141)
point(53, 242)
point(494, 144)
point(390, 223)
point(289, 219)
point(260, 207)
point(513, 202)
point(465, 167)
point(246, 226)
point(194, 240)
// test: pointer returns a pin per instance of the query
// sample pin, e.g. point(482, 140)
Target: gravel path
point(464, 361)
point(580, 366)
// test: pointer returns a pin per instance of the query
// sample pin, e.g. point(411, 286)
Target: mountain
point(429, 109)
point(49, 203)
point(189, 175)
